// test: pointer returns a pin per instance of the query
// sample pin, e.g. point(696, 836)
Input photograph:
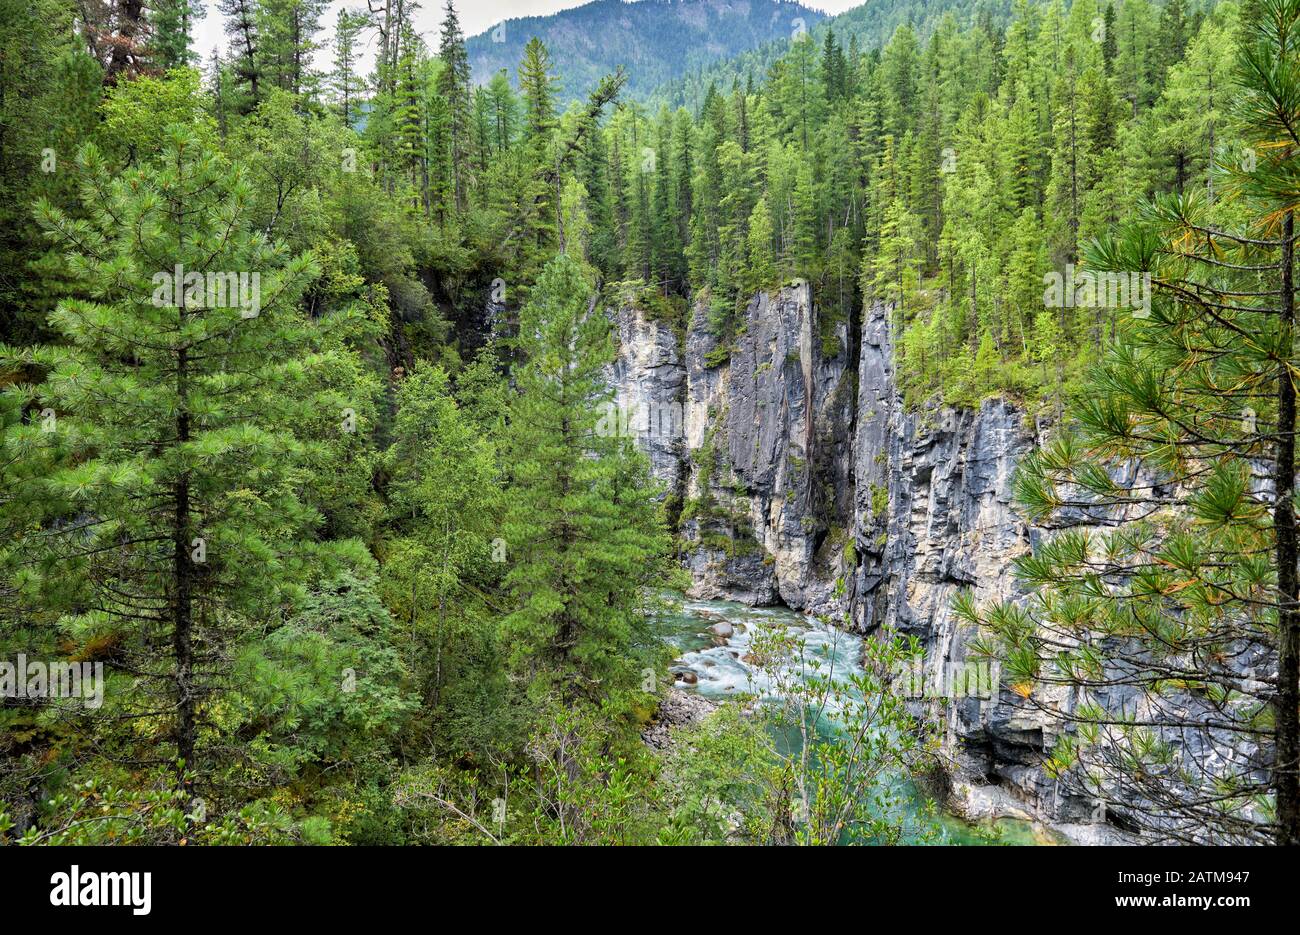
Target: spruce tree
point(582, 527)
point(241, 24)
point(505, 111)
point(172, 23)
point(287, 38)
point(345, 81)
point(454, 86)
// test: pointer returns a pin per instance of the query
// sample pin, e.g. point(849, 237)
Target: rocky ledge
point(678, 709)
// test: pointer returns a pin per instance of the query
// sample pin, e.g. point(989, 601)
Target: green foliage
point(105, 810)
point(582, 783)
point(328, 688)
point(178, 504)
point(369, 559)
point(819, 760)
point(441, 563)
point(715, 777)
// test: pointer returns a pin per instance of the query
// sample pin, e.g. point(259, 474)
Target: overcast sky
point(475, 17)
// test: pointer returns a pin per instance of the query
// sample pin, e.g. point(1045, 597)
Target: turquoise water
point(721, 670)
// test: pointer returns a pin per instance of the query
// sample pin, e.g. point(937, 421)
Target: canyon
point(803, 480)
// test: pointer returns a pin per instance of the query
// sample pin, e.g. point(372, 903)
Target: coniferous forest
point(313, 528)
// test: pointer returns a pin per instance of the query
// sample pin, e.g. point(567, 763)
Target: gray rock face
point(769, 430)
point(935, 516)
point(756, 440)
point(649, 381)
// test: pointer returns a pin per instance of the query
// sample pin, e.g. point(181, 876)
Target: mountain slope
point(870, 25)
point(656, 40)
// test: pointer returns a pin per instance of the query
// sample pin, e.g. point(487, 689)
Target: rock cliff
point(935, 512)
point(756, 448)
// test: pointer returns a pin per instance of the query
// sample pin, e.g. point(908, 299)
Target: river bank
point(714, 664)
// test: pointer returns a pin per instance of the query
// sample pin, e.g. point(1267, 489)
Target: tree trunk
point(1287, 776)
point(182, 571)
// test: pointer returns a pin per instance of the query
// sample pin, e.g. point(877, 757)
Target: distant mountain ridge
point(656, 40)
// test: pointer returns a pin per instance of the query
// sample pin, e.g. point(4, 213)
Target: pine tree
point(1173, 33)
point(504, 111)
point(220, 84)
point(444, 499)
point(666, 249)
point(595, 173)
point(454, 86)
point(638, 257)
point(1136, 54)
point(683, 175)
point(1068, 183)
point(241, 27)
point(834, 68)
point(1192, 109)
point(1268, 70)
point(760, 271)
point(286, 32)
point(346, 83)
point(1174, 623)
point(806, 226)
point(538, 87)
point(1109, 42)
point(177, 532)
point(899, 68)
point(415, 122)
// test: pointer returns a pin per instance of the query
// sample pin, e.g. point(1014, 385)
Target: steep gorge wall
point(805, 481)
point(936, 516)
point(758, 447)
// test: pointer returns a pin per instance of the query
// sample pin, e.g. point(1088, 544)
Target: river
point(720, 672)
